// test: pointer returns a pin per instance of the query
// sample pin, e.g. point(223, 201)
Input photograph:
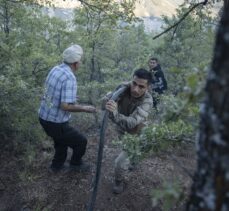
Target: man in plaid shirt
point(130, 113)
point(58, 102)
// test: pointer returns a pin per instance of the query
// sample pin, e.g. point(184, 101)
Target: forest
point(182, 154)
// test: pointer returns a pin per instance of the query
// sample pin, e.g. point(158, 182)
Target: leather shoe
point(83, 167)
point(53, 169)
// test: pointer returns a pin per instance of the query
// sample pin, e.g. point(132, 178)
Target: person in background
point(59, 100)
point(159, 83)
point(129, 113)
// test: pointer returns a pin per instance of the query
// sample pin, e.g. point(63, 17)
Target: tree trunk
point(210, 189)
point(6, 19)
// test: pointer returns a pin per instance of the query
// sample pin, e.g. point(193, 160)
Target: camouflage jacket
point(132, 113)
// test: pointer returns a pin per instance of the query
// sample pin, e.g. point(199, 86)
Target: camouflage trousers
point(122, 166)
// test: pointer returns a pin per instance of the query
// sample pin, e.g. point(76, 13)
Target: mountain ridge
point(150, 11)
point(144, 8)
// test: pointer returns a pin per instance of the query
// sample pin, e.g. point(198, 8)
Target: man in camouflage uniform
point(130, 113)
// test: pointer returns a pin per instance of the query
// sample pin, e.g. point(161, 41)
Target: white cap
point(72, 54)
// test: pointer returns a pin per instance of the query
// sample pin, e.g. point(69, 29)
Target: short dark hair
point(143, 74)
point(154, 58)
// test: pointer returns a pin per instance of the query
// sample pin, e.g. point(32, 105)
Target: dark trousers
point(65, 136)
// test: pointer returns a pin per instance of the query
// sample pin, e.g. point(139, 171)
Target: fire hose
point(92, 200)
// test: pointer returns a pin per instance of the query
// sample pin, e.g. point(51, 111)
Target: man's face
point(152, 64)
point(138, 87)
point(76, 66)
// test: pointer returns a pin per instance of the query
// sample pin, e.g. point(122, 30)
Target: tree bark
point(210, 190)
point(6, 19)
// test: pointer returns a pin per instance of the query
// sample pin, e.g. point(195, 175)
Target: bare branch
point(174, 32)
point(94, 7)
point(184, 16)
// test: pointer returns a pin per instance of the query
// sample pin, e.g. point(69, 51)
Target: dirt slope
point(28, 187)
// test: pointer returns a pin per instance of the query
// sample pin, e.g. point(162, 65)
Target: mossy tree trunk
point(210, 189)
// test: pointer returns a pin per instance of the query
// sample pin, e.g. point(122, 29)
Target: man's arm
point(68, 98)
point(161, 82)
point(139, 115)
point(77, 108)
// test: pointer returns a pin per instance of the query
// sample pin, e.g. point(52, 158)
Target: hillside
point(157, 8)
point(149, 10)
point(31, 187)
point(144, 8)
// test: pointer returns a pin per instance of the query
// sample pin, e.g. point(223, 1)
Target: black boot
point(118, 186)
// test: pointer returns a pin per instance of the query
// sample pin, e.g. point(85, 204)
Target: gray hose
point(114, 97)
